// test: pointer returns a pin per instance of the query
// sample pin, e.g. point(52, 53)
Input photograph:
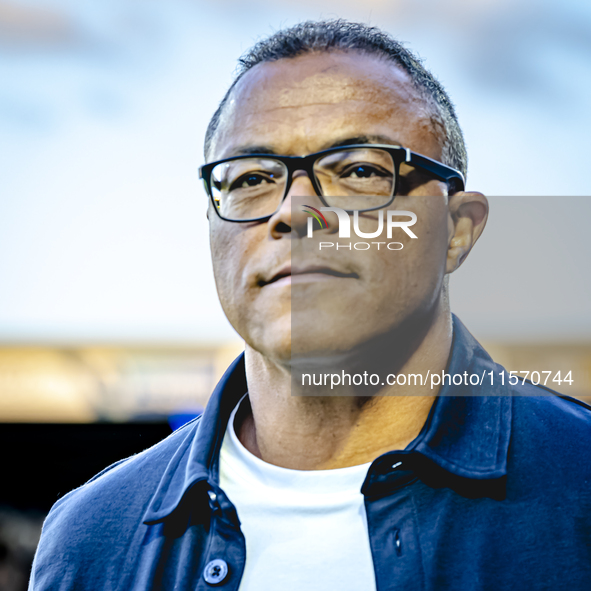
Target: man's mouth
point(311, 273)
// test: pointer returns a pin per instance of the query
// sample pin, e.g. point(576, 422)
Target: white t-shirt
point(305, 530)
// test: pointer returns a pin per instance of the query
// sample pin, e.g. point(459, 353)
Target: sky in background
point(103, 109)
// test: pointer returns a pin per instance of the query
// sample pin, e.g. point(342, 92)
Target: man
point(385, 485)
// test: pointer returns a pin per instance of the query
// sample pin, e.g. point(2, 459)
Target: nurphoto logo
point(345, 227)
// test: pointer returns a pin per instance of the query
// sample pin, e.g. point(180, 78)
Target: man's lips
point(287, 273)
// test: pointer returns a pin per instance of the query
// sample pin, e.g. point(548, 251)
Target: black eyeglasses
point(360, 177)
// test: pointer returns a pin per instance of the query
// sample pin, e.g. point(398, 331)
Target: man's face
point(304, 105)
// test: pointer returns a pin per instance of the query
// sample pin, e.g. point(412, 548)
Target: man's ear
point(468, 213)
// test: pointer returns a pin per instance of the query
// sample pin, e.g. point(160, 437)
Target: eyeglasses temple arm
point(445, 173)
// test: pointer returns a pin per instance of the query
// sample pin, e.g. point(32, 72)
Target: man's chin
point(303, 350)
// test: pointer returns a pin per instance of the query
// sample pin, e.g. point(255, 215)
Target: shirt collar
point(468, 429)
point(466, 434)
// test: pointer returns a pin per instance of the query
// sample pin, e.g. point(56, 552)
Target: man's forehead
point(326, 77)
point(304, 104)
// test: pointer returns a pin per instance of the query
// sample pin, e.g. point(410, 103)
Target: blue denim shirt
point(494, 493)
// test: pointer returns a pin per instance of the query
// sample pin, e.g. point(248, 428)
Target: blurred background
point(111, 333)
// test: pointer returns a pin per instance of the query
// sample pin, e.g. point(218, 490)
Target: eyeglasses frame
point(306, 163)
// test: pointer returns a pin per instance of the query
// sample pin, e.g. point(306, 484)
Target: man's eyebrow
point(364, 139)
point(246, 150)
point(359, 139)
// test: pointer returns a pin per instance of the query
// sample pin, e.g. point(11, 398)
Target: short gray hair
point(335, 35)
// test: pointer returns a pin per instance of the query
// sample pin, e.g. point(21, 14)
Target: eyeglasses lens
point(356, 179)
point(248, 187)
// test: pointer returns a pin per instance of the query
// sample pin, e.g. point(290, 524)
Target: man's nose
point(290, 217)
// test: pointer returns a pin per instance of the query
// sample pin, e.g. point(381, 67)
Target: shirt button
point(214, 504)
point(215, 572)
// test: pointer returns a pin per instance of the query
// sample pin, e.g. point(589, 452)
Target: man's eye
point(251, 180)
point(362, 171)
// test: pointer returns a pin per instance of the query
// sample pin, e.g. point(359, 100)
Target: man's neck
point(327, 432)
